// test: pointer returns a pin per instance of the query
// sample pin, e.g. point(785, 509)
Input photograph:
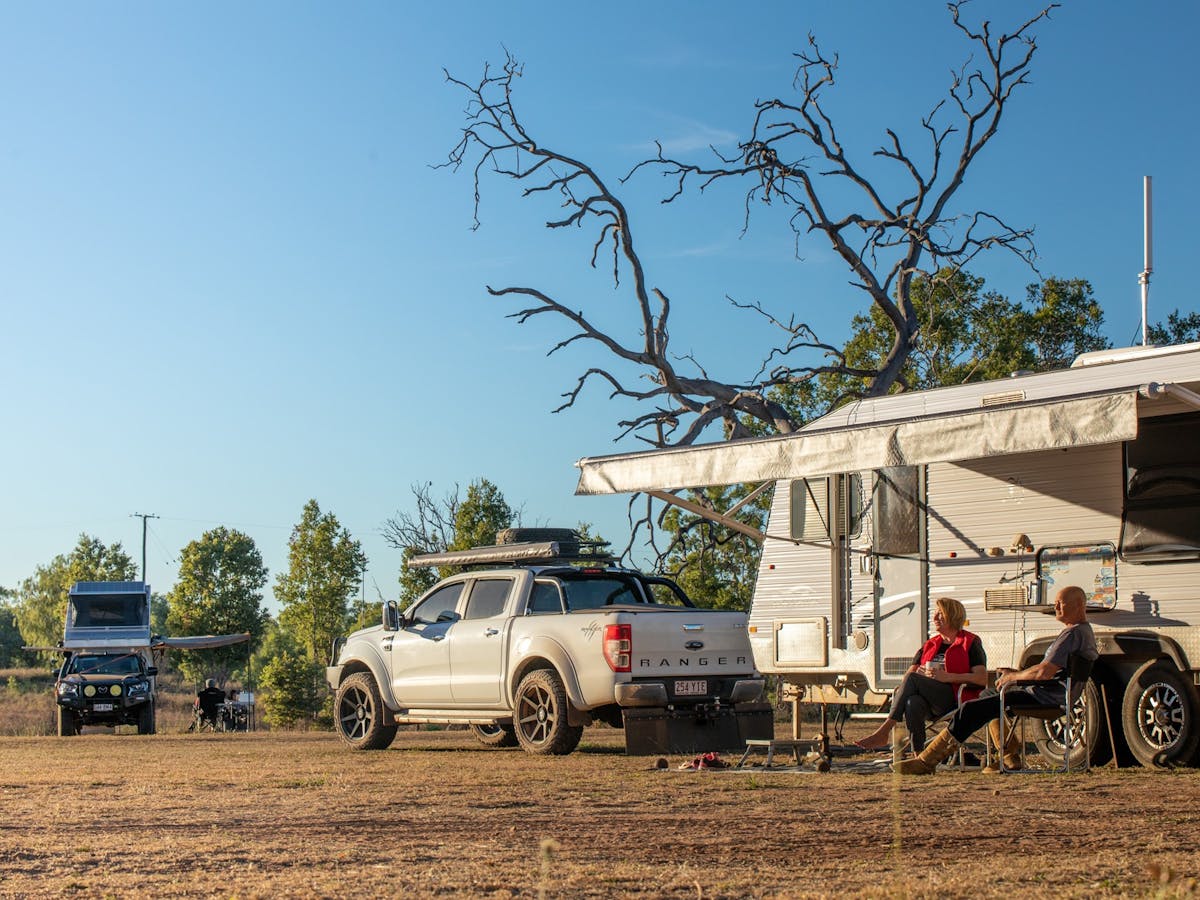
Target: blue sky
point(231, 280)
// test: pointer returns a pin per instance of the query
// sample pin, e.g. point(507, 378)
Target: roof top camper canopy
point(1095, 402)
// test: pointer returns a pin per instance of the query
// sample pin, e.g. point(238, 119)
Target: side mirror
point(391, 616)
point(152, 671)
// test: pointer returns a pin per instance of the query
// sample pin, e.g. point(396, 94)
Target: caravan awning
point(993, 431)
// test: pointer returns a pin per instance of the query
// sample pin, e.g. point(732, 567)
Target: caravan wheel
point(1088, 719)
point(1159, 716)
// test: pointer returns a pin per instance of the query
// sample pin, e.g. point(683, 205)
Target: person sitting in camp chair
point(1048, 688)
point(208, 706)
point(950, 666)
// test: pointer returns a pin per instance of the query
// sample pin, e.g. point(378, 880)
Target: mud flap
point(659, 730)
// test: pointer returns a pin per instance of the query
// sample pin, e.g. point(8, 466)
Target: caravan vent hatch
point(1002, 398)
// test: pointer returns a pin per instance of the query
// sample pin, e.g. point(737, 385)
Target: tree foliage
point(435, 525)
point(325, 566)
point(219, 591)
point(792, 156)
point(11, 654)
point(968, 334)
point(42, 599)
point(291, 695)
point(1178, 329)
point(715, 565)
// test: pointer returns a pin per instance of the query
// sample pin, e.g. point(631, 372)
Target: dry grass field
point(296, 815)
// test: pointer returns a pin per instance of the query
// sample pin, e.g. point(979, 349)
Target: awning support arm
point(711, 514)
point(750, 496)
point(1154, 390)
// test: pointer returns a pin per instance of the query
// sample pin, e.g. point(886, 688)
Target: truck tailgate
point(685, 642)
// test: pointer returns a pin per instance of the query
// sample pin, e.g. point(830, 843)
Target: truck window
point(123, 664)
point(90, 610)
point(439, 605)
point(596, 593)
point(1161, 521)
point(544, 600)
point(488, 598)
point(664, 592)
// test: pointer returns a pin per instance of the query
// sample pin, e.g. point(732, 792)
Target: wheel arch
point(547, 654)
point(365, 659)
point(1120, 651)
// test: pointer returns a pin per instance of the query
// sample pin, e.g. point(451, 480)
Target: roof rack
point(524, 554)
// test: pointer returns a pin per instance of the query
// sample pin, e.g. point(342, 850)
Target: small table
point(772, 745)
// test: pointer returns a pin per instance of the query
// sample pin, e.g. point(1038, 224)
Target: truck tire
point(495, 735)
point(358, 714)
point(1090, 717)
point(145, 724)
point(540, 717)
point(1160, 716)
point(68, 724)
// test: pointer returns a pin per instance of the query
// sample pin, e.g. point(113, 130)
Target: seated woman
point(953, 656)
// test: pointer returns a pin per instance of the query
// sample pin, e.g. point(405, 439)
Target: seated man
point(208, 702)
point(1070, 608)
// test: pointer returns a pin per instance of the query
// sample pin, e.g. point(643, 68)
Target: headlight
point(66, 687)
point(139, 687)
point(89, 691)
point(115, 690)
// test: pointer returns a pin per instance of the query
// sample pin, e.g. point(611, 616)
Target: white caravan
point(997, 493)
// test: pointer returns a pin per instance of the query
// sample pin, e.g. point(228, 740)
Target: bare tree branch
point(793, 146)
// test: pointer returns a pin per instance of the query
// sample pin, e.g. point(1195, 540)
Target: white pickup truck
point(532, 652)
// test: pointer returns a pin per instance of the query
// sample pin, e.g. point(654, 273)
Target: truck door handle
point(490, 632)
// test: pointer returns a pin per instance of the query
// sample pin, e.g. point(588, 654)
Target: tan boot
point(1011, 751)
point(926, 761)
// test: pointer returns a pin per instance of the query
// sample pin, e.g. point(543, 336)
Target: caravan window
point(811, 508)
point(1162, 491)
point(897, 502)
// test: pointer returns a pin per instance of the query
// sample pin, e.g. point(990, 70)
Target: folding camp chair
point(1079, 670)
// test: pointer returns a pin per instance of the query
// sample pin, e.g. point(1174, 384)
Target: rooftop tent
point(914, 440)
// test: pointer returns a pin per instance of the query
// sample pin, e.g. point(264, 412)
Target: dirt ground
point(297, 815)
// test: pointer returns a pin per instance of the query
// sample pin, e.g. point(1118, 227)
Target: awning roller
point(994, 431)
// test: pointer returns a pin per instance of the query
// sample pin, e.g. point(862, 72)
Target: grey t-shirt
point(1074, 639)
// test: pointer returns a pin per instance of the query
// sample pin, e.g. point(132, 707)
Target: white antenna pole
point(1144, 277)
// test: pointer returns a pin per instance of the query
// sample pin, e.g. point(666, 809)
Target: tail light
point(618, 647)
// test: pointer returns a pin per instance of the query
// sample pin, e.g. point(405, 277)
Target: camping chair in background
point(1079, 670)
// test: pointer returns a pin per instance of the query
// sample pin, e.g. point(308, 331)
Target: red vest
point(958, 658)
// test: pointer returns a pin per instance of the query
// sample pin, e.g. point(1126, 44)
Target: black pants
point(974, 715)
point(919, 699)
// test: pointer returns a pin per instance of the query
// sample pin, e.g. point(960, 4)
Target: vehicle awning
point(199, 642)
point(993, 431)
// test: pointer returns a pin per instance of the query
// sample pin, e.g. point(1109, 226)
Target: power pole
point(143, 517)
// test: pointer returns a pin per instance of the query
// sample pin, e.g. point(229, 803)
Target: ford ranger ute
point(530, 652)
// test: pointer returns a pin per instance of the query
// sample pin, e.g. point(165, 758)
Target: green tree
point(325, 566)
point(42, 599)
point(290, 690)
point(481, 516)
point(219, 591)
point(449, 523)
point(11, 654)
point(1179, 329)
point(968, 334)
point(715, 565)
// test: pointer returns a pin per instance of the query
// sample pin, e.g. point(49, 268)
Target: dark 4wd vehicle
point(105, 688)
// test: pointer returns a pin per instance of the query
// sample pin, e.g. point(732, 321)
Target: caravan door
point(898, 552)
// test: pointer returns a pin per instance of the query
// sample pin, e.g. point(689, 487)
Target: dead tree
point(792, 148)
